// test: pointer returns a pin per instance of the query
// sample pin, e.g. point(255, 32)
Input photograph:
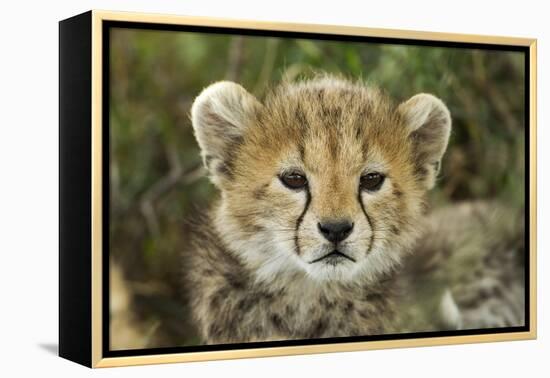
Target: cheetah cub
point(323, 188)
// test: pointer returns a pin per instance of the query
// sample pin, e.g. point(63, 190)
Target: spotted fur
point(257, 267)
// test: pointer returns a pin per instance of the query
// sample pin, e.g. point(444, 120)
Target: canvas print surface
point(282, 188)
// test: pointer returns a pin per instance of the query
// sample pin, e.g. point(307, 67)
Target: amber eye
point(293, 180)
point(371, 181)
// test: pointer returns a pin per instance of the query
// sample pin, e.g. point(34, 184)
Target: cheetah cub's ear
point(429, 122)
point(220, 116)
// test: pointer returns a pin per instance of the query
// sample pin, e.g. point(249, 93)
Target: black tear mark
point(299, 221)
point(360, 199)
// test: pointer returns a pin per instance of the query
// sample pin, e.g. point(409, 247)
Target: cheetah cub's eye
point(293, 180)
point(371, 181)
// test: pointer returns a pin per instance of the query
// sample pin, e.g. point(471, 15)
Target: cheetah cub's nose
point(335, 231)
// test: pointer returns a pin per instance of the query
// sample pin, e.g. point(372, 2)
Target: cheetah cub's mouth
point(333, 258)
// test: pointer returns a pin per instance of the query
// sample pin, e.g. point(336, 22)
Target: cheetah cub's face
point(323, 179)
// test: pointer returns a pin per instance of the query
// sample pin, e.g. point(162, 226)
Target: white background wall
point(28, 185)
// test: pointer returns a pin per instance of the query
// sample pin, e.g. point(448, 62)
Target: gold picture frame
point(82, 242)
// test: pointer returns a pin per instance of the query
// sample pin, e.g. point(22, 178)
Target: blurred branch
point(193, 174)
point(492, 94)
point(235, 60)
point(271, 47)
point(293, 71)
point(164, 185)
point(115, 183)
point(500, 105)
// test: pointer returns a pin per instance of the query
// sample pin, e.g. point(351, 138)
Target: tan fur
point(251, 273)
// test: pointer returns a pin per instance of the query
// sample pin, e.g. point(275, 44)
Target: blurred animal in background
point(466, 270)
point(323, 228)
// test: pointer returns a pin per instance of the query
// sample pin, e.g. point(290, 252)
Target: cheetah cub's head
point(324, 178)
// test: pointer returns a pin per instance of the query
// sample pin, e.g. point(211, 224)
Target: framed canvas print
point(235, 189)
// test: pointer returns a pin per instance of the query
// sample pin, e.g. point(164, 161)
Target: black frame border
point(108, 25)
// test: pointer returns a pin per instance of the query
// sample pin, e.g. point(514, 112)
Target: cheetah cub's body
point(322, 197)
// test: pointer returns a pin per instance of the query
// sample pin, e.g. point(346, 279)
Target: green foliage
point(156, 175)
